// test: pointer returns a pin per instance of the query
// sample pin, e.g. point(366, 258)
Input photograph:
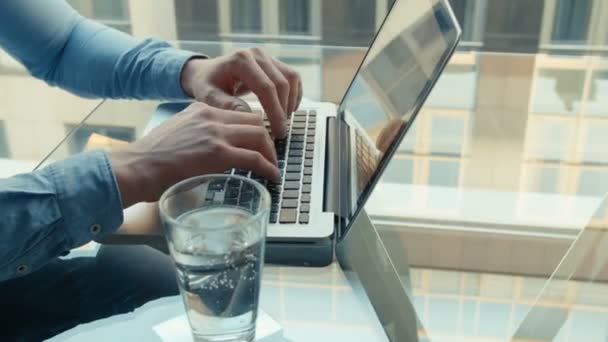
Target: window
point(471, 16)
point(595, 143)
point(593, 182)
point(255, 20)
point(448, 135)
point(559, 91)
point(543, 180)
point(399, 170)
point(444, 173)
point(571, 23)
point(114, 13)
point(597, 101)
point(295, 16)
point(246, 16)
point(550, 140)
point(4, 150)
point(461, 77)
point(197, 20)
point(80, 138)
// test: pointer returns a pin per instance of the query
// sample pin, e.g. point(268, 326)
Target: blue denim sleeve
point(63, 48)
point(50, 211)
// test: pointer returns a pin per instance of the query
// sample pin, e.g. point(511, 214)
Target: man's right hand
point(197, 141)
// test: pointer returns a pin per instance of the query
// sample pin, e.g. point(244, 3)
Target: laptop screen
point(407, 56)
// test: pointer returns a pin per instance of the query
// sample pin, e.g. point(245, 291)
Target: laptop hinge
point(337, 171)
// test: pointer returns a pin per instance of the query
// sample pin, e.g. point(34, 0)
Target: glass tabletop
point(500, 174)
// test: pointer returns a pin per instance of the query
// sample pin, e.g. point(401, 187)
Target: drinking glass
point(215, 227)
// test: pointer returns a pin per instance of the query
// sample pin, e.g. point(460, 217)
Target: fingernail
point(240, 109)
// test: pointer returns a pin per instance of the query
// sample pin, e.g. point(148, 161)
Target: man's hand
point(220, 81)
point(199, 140)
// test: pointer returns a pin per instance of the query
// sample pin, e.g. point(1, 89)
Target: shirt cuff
point(167, 72)
point(88, 197)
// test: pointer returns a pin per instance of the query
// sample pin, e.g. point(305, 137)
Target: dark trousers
point(66, 293)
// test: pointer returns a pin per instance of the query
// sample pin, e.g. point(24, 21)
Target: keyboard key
point(300, 113)
point(294, 168)
point(308, 171)
point(273, 218)
point(292, 186)
point(311, 132)
point(310, 140)
point(232, 193)
point(293, 176)
point(305, 208)
point(308, 163)
point(310, 147)
point(297, 138)
point(288, 216)
point(312, 119)
point(292, 161)
point(296, 153)
point(299, 125)
point(312, 113)
point(305, 198)
point(290, 194)
point(309, 155)
point(289, 203)
point(306, 188)
point(304, 218)
point(274, 208)
point(299, 118)
point(307, 180)
point(296, 145)
point(298, 131)
point(312, 126)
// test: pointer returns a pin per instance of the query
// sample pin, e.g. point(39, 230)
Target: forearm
point(102, 62)
point(58, 45)
point(50, 211)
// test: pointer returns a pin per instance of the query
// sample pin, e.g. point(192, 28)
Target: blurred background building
point(511, 143)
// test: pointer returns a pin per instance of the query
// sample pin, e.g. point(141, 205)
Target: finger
point(294, 84)
point(300, 94)
point(251, 74)
point(219, 99)
point(255, 162)
point(276, 76)
point(252, 138)
point(240, 118)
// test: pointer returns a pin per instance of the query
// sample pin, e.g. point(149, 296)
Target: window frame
point(271, 29)
point(597, 37)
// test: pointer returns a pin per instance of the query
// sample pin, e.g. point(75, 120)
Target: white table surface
point(310, 304)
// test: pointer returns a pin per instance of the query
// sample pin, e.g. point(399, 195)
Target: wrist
point(189, 74)
point(131, 183)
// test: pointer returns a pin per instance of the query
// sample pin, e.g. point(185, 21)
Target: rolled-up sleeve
point(65, 49)
point(48, 212)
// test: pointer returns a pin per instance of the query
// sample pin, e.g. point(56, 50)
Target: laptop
point(335, 154)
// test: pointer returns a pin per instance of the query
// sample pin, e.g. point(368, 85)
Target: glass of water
point(216, 227)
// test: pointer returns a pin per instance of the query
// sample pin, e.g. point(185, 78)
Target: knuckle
point(242, 55)
point(269, 87)
point(213, 129)
point(282, 84)
point(292, 75)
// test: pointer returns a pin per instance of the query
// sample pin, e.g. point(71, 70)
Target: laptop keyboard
point(291, 197)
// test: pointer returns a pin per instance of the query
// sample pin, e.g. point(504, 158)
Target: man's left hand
point(220, 81)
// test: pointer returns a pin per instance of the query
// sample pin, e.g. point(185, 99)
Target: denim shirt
point(45, 213)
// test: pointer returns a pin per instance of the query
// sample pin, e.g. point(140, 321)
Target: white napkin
point(177, 329)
